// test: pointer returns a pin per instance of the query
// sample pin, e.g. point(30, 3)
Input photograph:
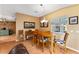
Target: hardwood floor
point(5, 48)
point(8, 38)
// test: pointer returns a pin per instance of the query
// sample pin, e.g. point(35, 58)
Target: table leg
point(42, 46)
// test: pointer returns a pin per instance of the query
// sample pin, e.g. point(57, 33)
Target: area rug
point(19, 49)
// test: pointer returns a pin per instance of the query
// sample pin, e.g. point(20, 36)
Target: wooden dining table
point(44, 34)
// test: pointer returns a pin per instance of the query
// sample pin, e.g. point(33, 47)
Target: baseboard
point(73, 49)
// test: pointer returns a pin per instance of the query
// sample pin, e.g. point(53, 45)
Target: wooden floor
point(8, 42)
point(7, 38)
point(6, 47)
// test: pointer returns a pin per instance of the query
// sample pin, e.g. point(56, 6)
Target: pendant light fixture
point(43, 18)
point(43, 22)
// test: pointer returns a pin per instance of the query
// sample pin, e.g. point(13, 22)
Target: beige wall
point(73, 40)
point(20, 18)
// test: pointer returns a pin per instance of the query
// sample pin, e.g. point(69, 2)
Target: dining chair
point(35, 36)
point(45, 40)
point(61, 42)
point(28, 35)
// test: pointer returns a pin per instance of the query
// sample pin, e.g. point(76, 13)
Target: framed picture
point(73, 20)
point(44, 24)
point(29, 24)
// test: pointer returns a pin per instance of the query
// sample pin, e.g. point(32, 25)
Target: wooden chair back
point(66, 36)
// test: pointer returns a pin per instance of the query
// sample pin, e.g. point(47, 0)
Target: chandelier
point(43, 19)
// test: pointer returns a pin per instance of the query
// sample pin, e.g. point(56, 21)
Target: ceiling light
point(43, 19)
point(41, 4)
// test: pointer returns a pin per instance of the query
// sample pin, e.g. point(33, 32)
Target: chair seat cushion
point(59, 41)
point(44, 40)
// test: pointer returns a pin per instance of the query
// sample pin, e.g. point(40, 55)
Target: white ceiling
point(9, 10)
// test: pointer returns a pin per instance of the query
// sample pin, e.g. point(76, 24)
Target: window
point(58, 28)
point(59, 24)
